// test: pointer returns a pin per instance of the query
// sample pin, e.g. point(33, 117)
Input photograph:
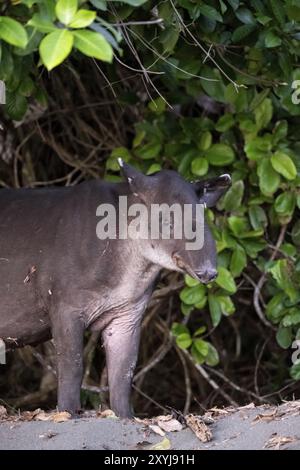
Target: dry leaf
point(3, 412)
point(107, 414)
point(219, 411)
point(157, 429)
point(247, 407)
point(170, 425)
point(197, 425)
point(42, 416)
point(165, 444)
point(60, 417)
point(267, 417)
point(163, 418)
point(278, 441)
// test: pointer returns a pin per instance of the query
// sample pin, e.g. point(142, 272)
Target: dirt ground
point(248, 427)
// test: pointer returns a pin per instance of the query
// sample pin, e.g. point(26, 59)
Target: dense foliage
point(217, 92)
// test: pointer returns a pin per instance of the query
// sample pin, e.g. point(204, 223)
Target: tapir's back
point(42, 232)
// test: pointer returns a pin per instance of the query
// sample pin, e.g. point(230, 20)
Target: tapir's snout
point(206, 276)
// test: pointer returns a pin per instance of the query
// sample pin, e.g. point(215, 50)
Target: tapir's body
point(57, 278)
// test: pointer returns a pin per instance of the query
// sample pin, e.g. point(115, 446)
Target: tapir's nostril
point(207, 276)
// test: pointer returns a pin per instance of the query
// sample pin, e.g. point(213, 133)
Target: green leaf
point(199, 331)
point(100, 4)
point(225, 280)
point(257, 217)
point(198, 357)
point(41, 23)
point(225, 123)
point(284, 337)
point(55, 48)
point(295, 371)
point(269, 179)
point(238, 225)
point(158, 105)
point(245, 15)
point(16, 105)
point(179, 329)
point(284, 165)
point(226, 305)
point(280, 131)
point(258, 148)
point(292, 317)
point(184, 340)
point(199, 166)
point(296, 233)
point(154, 168)
point(82, 19)
point(242, 32)
point(263, 113)
point(201, 346)
point(275, 308)
point(134, 3)
point(149, 151)
point(212, 357)
point(186, 309)
point(193, 295)
point(238, 261)
point(12, 32)
point(190, 281)
point(278, 11)
point(214, 309)
point(282, 273)
point(210, 12)
point(220, 155)
point(205, 141)
point(285, 204)
point(65, 10)
point(93, 44)
point(272, 40)
point(233, 197)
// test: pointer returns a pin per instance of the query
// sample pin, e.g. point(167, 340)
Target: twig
point(262, 280)
point(208, 379)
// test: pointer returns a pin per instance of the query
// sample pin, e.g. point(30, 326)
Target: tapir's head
point(169, 188)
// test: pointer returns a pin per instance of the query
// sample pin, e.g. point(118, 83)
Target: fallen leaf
point(165, 444)
point(156, 429)
point(42, 416)
point(170, 425)
point(267, 417)
point(219, 411)
point(199, 428)
point(60, 417)
point(247, 407)
point(163, 418)
point(107, 414)
point(278, 441)
point(3, 412)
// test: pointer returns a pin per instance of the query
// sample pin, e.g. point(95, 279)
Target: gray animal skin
point(58, 279)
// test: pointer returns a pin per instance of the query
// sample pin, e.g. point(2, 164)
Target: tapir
point(57, 278)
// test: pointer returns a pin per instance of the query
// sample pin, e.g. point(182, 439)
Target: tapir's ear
point(136, 180)
point(210, 191)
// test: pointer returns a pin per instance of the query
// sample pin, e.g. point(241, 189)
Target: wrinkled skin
point(58, 279)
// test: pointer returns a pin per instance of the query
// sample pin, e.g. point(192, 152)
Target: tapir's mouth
point(205, 276)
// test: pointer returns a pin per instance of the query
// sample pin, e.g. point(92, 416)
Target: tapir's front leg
point(67, 332)
point(121, 341)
